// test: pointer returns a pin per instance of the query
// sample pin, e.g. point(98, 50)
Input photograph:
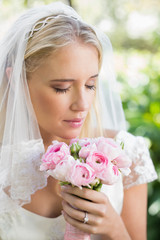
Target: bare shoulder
point(110, 133)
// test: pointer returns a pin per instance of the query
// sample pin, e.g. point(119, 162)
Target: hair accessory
point(39, 25)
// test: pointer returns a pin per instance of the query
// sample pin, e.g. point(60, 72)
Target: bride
point(57, 83)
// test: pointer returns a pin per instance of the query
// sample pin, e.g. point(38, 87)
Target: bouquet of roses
point(85, 163)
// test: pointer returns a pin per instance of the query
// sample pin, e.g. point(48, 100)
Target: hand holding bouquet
point(85, 163)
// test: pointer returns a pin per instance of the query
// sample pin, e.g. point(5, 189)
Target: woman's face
point(62, 90)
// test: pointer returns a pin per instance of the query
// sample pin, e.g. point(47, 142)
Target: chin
point(70, 135)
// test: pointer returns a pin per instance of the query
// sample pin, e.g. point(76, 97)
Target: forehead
point(74, 51)
point(73, 59)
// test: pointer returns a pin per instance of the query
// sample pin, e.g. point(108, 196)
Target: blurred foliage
point(133, 27)
point(141, 101)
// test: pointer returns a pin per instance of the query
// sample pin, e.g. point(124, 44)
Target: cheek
point(43, 102)
point(49, 105)
point(91, 98)
point(46, 101)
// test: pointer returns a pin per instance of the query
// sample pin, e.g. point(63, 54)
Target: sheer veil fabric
point(21, 145)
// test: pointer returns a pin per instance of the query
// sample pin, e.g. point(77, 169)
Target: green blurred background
point(134, 29)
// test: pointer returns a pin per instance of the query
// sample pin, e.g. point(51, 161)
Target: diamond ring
point(85, 220)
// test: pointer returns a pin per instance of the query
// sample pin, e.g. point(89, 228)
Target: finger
point(81, 226)
point(84, 205)
point(80, 215)
point(86, 193)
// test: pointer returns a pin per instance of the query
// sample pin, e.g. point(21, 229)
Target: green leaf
point(64, 183)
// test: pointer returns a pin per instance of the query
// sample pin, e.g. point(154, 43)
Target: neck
point(48, 138)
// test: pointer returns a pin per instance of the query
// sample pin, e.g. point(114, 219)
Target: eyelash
point(59, 90)
point(91, 87)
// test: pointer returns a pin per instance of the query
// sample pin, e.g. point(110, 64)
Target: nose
point(80, 101)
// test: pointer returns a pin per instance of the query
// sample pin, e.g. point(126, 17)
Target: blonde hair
point(57, 33)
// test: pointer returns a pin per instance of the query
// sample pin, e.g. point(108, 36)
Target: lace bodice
point(142, 169)
point(18, 223)
point(22, 178)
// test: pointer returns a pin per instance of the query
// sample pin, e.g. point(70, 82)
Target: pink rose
point(82, 142)
point(122, 161)
point(108, 147)
point(86, 150)
point(62, 168)
point(55, 153)
point(81, 174)
point(110, 174)
point(85, 142)
point(98, 162)
point(114, 152)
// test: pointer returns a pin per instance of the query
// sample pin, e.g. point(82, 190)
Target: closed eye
point(61, 90)
point(93, 87)
point(64, 90)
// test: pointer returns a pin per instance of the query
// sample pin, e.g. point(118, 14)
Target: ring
point(85, 220)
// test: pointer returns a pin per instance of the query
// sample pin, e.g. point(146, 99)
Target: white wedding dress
point(20, 224)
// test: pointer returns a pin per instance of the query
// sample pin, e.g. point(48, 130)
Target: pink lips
point(75, 123)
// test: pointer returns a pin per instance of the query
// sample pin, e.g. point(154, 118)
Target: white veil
point(21, 145)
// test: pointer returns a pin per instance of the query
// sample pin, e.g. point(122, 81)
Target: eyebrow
point(69, 79)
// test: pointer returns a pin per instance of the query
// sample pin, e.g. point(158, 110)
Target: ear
point(8, 72)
